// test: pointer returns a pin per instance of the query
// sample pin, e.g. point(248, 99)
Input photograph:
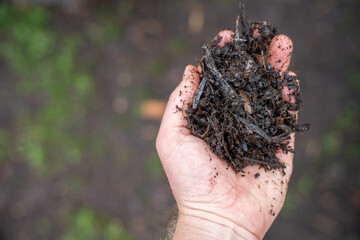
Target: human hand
point(214, 202)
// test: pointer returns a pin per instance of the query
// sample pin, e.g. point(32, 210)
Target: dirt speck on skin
point(212, 181)
point(178, 108)
point(272, 213)
point(238, 108)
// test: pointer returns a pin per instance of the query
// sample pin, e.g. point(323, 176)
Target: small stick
point(199, 92)
point(237, 30)
point(254, 128)
point(244, 145)
point(244, 22)
point(207, 131)
point(263, 59)
point(238, 38)
point(228, 90)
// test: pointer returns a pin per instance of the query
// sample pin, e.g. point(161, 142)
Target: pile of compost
point(238, 108)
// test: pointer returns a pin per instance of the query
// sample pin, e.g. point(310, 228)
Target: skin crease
point(214, 202)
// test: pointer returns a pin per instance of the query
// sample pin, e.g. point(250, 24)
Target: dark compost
point(238, 108)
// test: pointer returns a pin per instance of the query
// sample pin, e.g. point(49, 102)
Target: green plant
point(86, 224)
point(47, 70)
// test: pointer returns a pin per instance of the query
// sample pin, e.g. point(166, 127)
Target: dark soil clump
point(238, 109)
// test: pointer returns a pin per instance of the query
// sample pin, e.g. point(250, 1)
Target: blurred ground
point(82, 87)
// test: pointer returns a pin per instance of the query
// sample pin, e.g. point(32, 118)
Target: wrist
point(203, 225)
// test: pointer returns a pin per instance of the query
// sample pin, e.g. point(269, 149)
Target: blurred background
point(83, 85)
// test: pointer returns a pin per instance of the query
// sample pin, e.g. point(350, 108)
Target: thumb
point(174, 122)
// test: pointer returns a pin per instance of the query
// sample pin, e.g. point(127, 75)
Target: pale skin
point(214, 202)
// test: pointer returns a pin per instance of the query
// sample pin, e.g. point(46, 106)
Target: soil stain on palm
point(238, 108)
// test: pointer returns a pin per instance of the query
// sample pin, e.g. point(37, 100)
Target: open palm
point(210, 196)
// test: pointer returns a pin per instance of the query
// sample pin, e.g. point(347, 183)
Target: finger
point(256, 32)
point(181, 98)
point(222, 37)
point(280, 51)
point(256, 35)
point(225, 37)
point(174, 123)
point(288, 95)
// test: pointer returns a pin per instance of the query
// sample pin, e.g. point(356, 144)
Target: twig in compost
point(253, 128)
point(228, 91)
point(198, 93)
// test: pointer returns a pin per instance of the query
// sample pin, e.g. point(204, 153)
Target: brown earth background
point(82, 88)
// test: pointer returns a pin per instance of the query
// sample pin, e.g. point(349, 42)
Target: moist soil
point(238, 108)
point(324, 191)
